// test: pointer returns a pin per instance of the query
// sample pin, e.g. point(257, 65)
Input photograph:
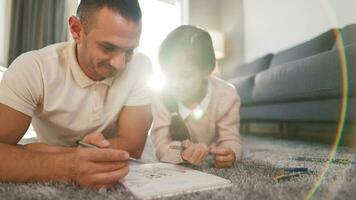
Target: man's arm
point(133, 124)
point(14, 122)
point(18, 164)
point(88, 167)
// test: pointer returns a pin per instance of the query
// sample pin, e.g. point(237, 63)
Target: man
point(93, 90)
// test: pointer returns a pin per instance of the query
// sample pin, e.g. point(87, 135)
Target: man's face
point(107, 44)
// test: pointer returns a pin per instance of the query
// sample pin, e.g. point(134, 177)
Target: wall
point(5, 13)
point(205, 13)
point(274, 25)
point(232, 24)
point(226, 16)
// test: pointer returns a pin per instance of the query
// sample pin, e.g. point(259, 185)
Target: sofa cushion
point(327, 110)
point(253, 67)
point(244, 86)
point(314, 77)
point(323, 42)
point(348, 35)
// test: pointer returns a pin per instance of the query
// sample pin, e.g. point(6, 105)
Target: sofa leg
point(244, 127)
point(283, 129)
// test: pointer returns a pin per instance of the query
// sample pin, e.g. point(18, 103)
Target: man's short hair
point(129, 9)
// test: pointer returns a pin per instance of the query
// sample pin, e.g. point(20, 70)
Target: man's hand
point(223, 157)
point(99, 168)
point(92, 168)
point(194, 153)
point(97, 139)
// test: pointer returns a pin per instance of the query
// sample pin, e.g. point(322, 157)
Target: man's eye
point(109, 49)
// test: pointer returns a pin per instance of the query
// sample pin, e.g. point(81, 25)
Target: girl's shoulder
point(225, 96)
point(222, 88)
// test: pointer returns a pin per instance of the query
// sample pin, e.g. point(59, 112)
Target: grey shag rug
point(251, 178)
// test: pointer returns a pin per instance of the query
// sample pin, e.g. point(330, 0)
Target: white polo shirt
point(65, 104)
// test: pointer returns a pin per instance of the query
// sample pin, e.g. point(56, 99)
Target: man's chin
point(113, 74)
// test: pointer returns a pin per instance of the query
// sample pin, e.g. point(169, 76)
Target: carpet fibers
point(252, 177)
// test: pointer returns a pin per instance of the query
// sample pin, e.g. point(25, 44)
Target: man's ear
point(76, 27)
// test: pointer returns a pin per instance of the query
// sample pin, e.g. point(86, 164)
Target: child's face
point(183, 79)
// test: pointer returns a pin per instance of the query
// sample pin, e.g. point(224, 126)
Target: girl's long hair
point(196, 45)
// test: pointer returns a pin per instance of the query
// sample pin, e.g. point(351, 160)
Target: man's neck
point(82, 64)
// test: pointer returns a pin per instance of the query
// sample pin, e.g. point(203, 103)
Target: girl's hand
point(223, 157)
point(194, 153)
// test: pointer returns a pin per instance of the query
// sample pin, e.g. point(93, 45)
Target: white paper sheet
point(156, 180)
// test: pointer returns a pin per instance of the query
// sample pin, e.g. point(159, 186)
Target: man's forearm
point(21, 165)
point(45, 148)
point(135, 150)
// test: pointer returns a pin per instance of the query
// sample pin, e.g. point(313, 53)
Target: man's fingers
point(103, 155)
point(106, 167)
point(97, 139)
point(110, 177)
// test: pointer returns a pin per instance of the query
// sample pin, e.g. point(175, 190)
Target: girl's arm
point(228, 124)
point(160, 135)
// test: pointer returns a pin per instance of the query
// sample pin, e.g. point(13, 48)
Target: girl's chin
point(181, 98)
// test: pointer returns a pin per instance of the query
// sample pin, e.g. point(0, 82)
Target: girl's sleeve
point(160, 135)
point(228, 123)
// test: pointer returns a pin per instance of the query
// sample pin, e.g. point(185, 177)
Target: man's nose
point(118, 61)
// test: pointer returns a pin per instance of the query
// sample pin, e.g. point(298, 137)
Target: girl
point(198, 114)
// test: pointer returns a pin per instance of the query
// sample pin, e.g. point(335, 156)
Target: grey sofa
point(302, 84)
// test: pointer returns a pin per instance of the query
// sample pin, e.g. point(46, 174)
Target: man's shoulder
point(39, 62)
point(43, 55)
point(53, 51)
